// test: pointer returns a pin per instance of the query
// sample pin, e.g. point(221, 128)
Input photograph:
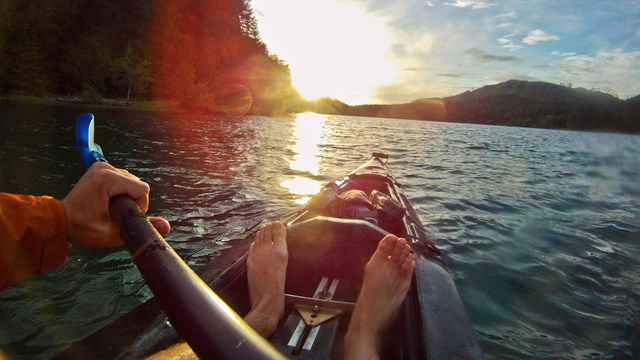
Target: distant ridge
point(634, 100)
point(512, 103)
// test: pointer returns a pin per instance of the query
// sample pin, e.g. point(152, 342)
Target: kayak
point(330, 239)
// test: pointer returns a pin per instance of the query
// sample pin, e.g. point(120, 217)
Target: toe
point(408, 264)
point(268, 233)
point(259, 236)
point(279, 233)
point(397, 254)
point(387, 245)
point(403, 251)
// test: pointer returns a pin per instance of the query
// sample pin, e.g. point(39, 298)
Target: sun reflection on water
point(309, 132)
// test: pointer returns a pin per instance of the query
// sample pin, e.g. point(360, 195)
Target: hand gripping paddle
point(201, 318)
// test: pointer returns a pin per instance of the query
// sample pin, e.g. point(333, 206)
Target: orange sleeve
point(33, 236)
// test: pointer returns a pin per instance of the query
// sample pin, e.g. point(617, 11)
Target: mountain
point(634, 101)
point(518, 103)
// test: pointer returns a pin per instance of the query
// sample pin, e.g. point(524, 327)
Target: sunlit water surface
point(541, 228)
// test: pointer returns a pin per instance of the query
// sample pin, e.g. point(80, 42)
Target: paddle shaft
point(211, 327)
point(201, 318)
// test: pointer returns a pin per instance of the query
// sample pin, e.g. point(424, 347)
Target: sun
point(333, 48)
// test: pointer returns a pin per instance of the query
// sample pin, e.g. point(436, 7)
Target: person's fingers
point(121, 182)
point(101, 165)
point(143, 201)
point(161, 224)
point(87, 205)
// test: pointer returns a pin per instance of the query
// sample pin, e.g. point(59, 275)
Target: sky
point(395, 51)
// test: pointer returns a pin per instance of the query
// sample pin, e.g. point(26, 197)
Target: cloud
point(490, 57)
point(512, 47)
point(409, 46)
point(611, 70)
point(473, 4)
point(509, 44)
point(508, 15)
point(449, 75)
point(429, 3)
point(537, 35)
point(504, 20)
point(563, 54)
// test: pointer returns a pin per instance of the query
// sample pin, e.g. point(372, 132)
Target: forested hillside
point(199, 54)
point(518, 103)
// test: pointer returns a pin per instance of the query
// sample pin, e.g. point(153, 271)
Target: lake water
point(541, 228)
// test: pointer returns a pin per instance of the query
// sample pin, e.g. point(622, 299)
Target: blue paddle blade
point(90, 151)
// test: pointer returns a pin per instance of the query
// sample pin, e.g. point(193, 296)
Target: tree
point(7, 14)
point(131, 72)
point(88, 63)
point(29, 76)
point(193, 51)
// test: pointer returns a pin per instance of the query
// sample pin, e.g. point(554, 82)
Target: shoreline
point(170, 106)
point(141, 105)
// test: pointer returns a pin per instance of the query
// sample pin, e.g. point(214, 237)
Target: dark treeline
point(513, 103)
point(199, 54)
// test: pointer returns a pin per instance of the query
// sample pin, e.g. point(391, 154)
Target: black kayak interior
point(327, 256)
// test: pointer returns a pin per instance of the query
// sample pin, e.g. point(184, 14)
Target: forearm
point(33, 236)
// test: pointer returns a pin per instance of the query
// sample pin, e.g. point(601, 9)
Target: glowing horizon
point(336, 49)
point(364, 51)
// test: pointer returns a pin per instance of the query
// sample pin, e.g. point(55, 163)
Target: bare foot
point(387, 277)
point(266, 271)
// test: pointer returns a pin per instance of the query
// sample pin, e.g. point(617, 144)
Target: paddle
point(201, 318)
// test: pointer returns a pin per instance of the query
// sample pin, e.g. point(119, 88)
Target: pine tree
point(28, 74)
